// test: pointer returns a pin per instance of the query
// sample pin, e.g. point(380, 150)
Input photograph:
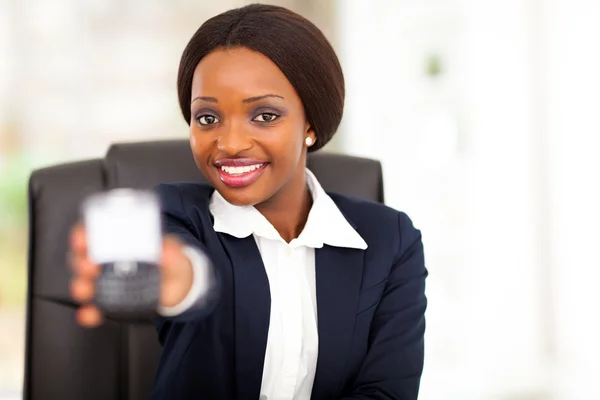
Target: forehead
point(239, 72)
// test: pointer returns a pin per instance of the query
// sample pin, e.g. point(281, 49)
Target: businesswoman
point(272, 288)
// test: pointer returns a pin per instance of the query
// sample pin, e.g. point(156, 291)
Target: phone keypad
point(128, 289)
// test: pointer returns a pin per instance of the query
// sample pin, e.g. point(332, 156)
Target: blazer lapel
point(252, 313)
point(338, 279)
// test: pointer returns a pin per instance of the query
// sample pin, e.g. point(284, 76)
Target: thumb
point(176, 272)
point(171, 255)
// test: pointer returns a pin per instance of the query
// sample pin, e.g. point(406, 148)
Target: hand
point(176, 276)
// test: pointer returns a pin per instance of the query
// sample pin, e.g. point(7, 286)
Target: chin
point(247, 196)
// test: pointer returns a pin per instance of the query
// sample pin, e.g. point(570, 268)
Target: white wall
point(462, 156)
point(572, 87)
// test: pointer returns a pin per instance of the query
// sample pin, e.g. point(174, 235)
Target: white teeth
point(240, 170)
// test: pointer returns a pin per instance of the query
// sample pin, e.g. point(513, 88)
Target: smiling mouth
point(237, 171)
point(240, 175)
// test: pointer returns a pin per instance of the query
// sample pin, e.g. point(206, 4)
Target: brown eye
point(266, 117)
point(207, 119)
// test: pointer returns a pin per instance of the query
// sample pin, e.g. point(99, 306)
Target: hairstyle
point(292, 42)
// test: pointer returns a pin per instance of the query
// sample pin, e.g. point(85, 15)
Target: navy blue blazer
point(371, 306)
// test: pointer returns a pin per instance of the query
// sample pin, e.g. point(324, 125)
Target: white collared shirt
point(293, 341)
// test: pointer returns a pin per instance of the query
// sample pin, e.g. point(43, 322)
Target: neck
point(288, 209)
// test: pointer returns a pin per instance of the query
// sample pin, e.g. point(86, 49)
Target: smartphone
point(124, 237)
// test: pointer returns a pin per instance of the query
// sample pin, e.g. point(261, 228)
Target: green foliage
point(14, 173)
point(434, 66)
point(13, 193)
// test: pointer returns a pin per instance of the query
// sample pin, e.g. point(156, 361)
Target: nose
point(233, 140)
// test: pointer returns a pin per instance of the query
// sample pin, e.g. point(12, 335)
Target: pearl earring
point(308, 141)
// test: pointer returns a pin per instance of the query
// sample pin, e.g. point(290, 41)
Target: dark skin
point(232, 118)
point(243, 106)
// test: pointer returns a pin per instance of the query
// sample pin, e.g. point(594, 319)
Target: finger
point(89, 316)
point(82, 290)
point(78, 239)
point(84, 268)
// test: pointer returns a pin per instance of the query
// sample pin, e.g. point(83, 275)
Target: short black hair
point(293, 43)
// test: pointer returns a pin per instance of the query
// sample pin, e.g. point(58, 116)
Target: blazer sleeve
point(175, 221)
point(394, 362)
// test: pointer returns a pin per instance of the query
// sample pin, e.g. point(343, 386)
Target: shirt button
point(289, 251)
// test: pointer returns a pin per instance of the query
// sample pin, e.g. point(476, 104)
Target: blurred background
point(483, 112)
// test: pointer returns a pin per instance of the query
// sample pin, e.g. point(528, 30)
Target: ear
point(310, 137)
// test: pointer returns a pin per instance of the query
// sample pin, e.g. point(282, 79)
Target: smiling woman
point(272, 288)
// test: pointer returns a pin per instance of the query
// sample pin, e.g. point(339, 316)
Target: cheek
point(296, 143)
point(199, 146)
point(193, 140)
point(290, 140)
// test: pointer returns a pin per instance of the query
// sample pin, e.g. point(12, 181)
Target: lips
point(239, 172)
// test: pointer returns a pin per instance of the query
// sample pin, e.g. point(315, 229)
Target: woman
point(318, 295)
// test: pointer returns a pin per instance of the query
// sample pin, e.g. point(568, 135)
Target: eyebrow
point(257, 98)
point(209, 99)
point(248, 100)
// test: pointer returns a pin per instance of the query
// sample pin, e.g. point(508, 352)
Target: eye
point(207, 119)
point(266, 117)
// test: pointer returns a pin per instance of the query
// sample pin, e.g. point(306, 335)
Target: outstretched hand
point(176, 276)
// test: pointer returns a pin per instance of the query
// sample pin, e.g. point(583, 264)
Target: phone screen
point(123, 225)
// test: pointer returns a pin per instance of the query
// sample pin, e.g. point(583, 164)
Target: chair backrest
point(116, 360)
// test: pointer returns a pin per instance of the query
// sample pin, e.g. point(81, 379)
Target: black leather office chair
point(116, 360)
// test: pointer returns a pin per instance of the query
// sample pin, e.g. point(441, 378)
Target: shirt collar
point(325, 224)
